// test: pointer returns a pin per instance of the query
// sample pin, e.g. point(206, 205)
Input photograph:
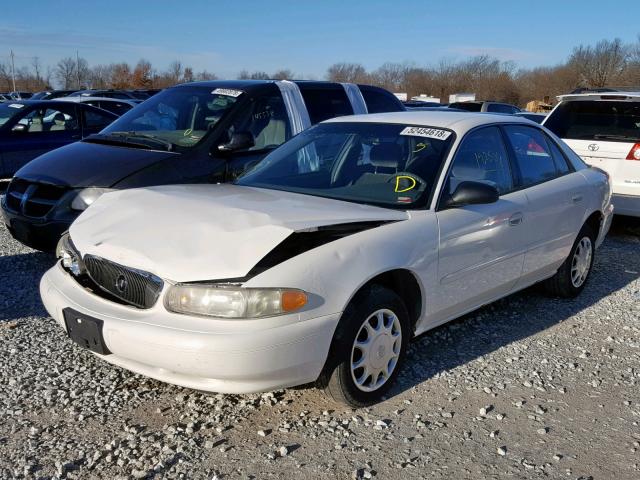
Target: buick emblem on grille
point(593, 147)
point(121, 283)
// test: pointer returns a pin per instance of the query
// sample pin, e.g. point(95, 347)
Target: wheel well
point(594, 221)
point(404, 284)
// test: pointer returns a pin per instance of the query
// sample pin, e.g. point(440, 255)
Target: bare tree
point(121, 76)
point(174, 73)
point(601, 64)
point(188, 75)
point(347, 72)
point(65, 72)
point(284, 74)
point(142, 74)
point(204, 75)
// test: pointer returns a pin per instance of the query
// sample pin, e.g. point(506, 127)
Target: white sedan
point(321, 263)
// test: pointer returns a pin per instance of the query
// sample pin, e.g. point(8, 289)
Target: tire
point(360, 324)
point(572, 276)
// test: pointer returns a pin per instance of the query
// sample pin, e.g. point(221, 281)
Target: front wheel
point(571, 277)
point(368, 349)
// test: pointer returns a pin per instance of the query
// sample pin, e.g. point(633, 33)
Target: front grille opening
point(85, 282)
point(134, 287)
point(33, 199)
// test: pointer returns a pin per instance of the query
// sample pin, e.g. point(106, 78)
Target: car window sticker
point(229, 92)
point(426, 132)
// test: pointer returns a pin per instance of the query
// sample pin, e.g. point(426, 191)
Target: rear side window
point(118, 108)
point(482, 157)
point(533, 156)
point(596, 120)
point(379, 102)
point(96, 119)
point(561, 162)
point(323, 104)
point(468, 106)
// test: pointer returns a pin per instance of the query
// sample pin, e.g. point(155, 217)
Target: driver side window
point(266, 120)
point(481, 157)
point(45, 120)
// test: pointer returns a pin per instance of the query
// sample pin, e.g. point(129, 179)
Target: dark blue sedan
point(30, 128)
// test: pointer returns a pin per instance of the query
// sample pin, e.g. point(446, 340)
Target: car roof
point(458, 121)
point(597, 96)
point(251, 84)
point(102, 99)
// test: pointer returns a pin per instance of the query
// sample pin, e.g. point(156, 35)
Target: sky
point(225, 37)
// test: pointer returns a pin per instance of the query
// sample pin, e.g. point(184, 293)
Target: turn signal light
point(634, 153)
point(292, 300)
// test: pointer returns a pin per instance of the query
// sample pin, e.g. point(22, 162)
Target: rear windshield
point(596, 120)
point(468, 106)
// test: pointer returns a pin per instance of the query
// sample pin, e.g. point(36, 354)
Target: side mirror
point(472, 193)
point(239, 141)
point(20, 128)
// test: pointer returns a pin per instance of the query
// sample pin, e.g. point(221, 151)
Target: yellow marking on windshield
point(419, 147)
point(411, 187)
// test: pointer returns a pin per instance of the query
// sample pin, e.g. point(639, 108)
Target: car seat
point(35, 125)
point(274, 132)
point(59, 123)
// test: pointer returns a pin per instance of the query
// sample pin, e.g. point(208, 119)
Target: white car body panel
point(460, 258)
point(242, 223)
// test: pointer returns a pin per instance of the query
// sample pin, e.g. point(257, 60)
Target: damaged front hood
point(205, 232)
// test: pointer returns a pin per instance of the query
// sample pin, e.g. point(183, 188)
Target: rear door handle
point(515, 219)
point(577, 198)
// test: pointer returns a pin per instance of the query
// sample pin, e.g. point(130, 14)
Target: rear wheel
point(368, 349)
point(572, 276)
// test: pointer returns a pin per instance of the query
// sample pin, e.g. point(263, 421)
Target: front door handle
point(515, 219)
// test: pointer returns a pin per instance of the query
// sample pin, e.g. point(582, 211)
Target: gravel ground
point(529, 387)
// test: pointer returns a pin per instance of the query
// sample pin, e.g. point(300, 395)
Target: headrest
point(385, 155)
point(59, 119)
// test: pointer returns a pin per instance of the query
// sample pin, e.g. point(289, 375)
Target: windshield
point(596, 120)
point(180, 117)
point(389, 165)
point(8, 110)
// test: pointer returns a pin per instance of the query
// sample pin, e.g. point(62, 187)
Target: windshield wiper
point(617, 137)
point(159, 141)
point(97, 138)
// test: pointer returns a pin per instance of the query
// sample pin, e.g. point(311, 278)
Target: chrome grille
point(134, 287)
point(33, 199)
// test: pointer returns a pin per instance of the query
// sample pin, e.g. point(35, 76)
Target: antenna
point(13, 71)
point(78, 68)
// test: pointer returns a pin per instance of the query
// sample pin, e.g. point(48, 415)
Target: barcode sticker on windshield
point(16, 105)
point(426, 132)
point(229, 92)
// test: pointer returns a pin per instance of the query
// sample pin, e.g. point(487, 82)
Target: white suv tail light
point(634, 153)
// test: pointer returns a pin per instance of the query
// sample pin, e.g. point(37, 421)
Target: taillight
point(634, 153)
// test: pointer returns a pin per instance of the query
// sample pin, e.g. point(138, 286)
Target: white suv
point(604, 129)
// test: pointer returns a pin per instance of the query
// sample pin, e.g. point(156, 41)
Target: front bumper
point(39, 233)
point(225, 356)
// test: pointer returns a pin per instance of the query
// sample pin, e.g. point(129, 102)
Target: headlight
point(87, 196)
point(69, 255)
point(233, 302)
